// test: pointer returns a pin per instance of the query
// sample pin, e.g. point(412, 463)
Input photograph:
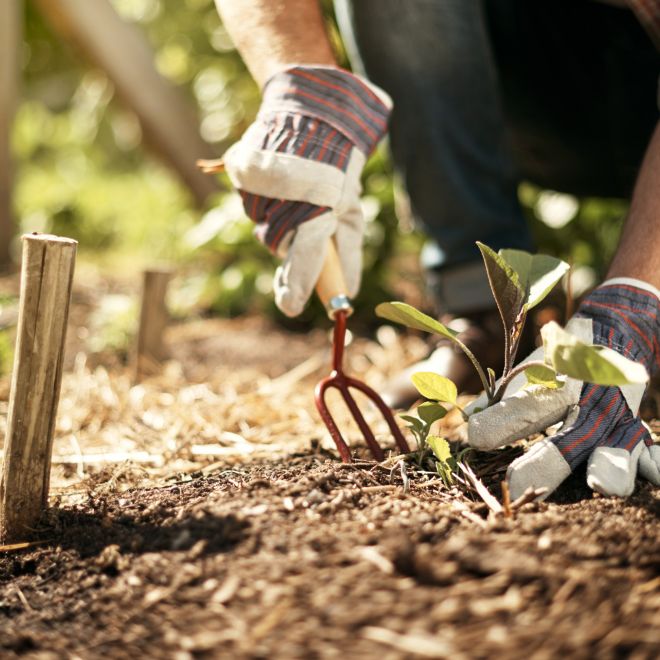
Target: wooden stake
point(151, 350)
point(46, 278)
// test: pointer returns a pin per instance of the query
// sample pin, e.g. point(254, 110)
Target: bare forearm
point(638, 254)
point(272, 34)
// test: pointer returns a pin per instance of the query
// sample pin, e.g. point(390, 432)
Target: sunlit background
point(84, 170)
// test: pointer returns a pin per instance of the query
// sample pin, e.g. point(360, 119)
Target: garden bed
point(204, 514)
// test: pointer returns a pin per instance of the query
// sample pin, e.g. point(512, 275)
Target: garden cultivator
point(331, 290)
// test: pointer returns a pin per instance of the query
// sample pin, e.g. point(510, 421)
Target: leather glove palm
point(600, 424)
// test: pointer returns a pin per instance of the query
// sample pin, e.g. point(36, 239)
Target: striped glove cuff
point(304, 137)
point(626, 317)
point(345, 102)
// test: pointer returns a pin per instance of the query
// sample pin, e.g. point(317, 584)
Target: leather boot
point(483, 334)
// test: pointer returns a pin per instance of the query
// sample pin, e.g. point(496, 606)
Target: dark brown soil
point(306, 558)
point(302, 557)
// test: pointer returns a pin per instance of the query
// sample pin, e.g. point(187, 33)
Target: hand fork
point(331, 289)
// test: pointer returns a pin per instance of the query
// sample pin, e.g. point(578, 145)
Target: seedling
point(435, 388)
point(432, 450)
point(442, 460)
point(446, 464)
point(519, 282)
point(428, 413)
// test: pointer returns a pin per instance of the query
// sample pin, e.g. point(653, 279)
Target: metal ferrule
point(339, 304)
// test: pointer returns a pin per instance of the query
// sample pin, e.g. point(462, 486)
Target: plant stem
point(477, 366)
point(512, 374)
point(463, 413)
point(516, 343)
point(507, 350)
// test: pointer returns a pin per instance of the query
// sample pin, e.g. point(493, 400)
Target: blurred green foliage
point(82, 170)
point(6, 352)
point(6, 335)
point(83, 173)
point(583, 232)
point(113, 323)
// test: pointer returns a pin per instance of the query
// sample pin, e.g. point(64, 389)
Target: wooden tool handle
point(331, 286)
point(210, 166)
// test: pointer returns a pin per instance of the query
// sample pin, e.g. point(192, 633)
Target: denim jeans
point(490, 92)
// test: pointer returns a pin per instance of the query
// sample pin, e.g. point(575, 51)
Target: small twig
point(376, 489)
point(473, 517)
point(529, 495)
point(430, 482)
point(392, 471)
point(418, 644)
point(404, 477)
point(13, 547)
point(370, 477)
point(460, 480)
point(272, 619)
point(481, 489)
point(506, 500)
point(392, 460)
point(373, 556)
point(23, 599)
point(356, 466)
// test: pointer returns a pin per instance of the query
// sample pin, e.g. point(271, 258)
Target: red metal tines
point(340, 381)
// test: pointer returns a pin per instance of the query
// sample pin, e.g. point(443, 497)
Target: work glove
point(600, 424)
point(298, 169)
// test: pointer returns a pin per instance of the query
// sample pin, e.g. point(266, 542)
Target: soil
point(295, 555)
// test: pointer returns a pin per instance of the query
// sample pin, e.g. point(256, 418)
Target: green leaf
point(435, 387)
point(543, 375)
point(537, 273)
point(445, 473)
point(492, 377)
point(589, 363)
point(430, 412)
point(415, 423)
point(505, 285)
point(407, 315)
point(440, 448)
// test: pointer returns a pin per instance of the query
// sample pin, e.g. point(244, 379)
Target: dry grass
point(112, 430)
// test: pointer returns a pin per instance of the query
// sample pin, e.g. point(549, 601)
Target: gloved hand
point(298, 170)
point(601, 425)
